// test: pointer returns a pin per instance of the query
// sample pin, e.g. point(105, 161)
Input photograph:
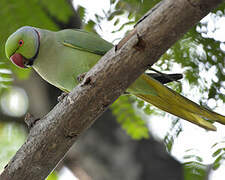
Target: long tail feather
point(174, 103)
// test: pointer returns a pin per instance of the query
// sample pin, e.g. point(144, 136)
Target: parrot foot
point(70, 100)
point(62, 96)
point(30, 120)
point(80, 77)
point(65, 95)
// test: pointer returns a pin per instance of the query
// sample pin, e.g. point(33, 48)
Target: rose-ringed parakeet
point(60, 57)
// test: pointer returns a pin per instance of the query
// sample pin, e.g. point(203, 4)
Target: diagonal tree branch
point(54, 134)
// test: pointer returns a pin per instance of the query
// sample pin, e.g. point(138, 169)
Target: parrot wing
point(84, 41)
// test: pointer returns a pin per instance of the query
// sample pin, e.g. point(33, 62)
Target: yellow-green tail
point(176, 104)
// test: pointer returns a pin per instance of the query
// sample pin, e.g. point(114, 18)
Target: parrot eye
point(21, 42)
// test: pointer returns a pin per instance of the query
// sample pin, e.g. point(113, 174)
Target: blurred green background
point(128, 146)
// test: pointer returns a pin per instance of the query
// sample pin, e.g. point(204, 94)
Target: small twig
point(30, 120)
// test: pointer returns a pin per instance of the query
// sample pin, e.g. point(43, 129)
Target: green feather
point(84, 41)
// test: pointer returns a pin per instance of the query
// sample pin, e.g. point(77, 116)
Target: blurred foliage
point(12, 136)
point(128, 118)
point(193, 167)
point(195, 171)
point(218, 154)
point(135, 9)
point(5, 76)
point(196, 52)
point(172, 134)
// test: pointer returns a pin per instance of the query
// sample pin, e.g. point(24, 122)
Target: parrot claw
point(70, 100)
point(80, 77)
point(30, 120)
point(65, 95)
point(62, 96)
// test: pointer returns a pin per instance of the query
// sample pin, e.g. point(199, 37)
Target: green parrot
point(60, 57)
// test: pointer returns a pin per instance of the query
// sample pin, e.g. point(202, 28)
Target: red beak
point(18, 60)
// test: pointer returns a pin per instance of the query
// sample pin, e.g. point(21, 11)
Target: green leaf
point(116, 22)
point(115, 13)
point(90, 26)
point(140, 103)
point(147, 110)
point(212, 92)
point(81, 12)
point(130, 121)
point(174, 132)
point(218, 151)
point(219, 160)
point(194, 170)
point(122, 26)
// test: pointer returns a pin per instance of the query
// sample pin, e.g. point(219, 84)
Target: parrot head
point(22, 46)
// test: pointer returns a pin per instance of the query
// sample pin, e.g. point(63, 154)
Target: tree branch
point(54, 134)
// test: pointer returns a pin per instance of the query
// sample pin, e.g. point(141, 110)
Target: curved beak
point(18, 60)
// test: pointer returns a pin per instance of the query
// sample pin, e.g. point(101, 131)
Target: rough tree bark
point(53, 135)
